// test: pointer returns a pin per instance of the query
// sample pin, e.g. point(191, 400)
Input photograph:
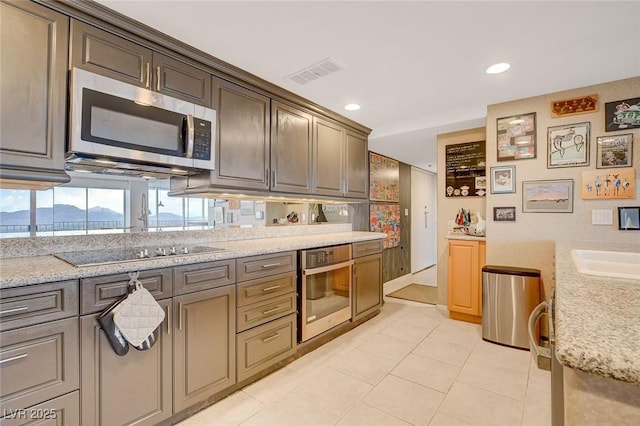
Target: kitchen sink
point(617, 264)
point(119, 255)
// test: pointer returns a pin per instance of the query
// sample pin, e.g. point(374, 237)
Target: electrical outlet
point(602, 217)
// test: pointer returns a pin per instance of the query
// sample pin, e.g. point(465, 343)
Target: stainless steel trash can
point(509, 295)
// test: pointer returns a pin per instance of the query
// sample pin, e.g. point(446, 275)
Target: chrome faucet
point(144, 214)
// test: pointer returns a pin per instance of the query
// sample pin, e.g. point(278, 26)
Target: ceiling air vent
point(315, 71)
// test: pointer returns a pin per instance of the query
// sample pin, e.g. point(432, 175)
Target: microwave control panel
point(201, 139)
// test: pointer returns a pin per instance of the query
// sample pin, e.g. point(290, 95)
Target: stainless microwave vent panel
point(313, 72)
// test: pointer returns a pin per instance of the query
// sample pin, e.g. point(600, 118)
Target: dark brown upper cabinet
point(356, 165)
point(291, 149)
point(107, 54)
point(328, 154)
point(34, 93)
point(242, 143)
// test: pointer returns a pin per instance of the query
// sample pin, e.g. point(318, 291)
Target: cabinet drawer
point(38, 363)
point(203, 276)
point(261, 312)
point(266, 345)
point(61, 411)
point(24, 306)
point(265, 288)
point(266, 265)
point(100, 292)
point(366, 248)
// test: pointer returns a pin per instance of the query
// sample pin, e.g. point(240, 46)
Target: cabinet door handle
point(271, 288)
point(14, 310)
point(15, 358)
point(158, 78)
point(273, 178)
point(148, 82)
point(272, 310)
point(180, 316)
point(266, 176)
point(169, 324)
point(271, 265)
point(273, 336)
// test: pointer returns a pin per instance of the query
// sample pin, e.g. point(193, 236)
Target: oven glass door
point(326, 298)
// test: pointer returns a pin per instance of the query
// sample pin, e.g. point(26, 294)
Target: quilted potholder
point(138, 316)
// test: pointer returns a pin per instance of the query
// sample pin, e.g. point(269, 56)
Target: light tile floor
point(410, 365)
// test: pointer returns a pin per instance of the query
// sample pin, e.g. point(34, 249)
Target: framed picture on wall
point(503, 179)
point(629, 218)
point(622, 115)
point(547, 196)
point(568, 145)
point(516, 136)
point(504, 214)
point(614, 151)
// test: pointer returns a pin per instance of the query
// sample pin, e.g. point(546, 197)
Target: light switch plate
point(602, 217)
point(406, 212)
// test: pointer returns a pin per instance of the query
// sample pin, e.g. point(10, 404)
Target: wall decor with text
point(573, 106)
point(466, 169)
point(384, 178)
point(608, 184)
point(622, 115)
point(516, 137)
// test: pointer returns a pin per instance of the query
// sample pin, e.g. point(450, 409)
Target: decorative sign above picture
point(384, 178)
point(574, 106)
point(466, 169)
point(516, 137)
point(622, 115)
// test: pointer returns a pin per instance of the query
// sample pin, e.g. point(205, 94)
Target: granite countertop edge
point(24, 271)
point(597, 319)
point(465, 237)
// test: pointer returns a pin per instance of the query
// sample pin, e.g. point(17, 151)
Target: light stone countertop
point(21, 271)
point(597, 319)
point(466, 237)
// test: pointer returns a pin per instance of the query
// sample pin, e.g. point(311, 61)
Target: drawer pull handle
point(14, 358)
point(272, 310)
point(180, 316)
point(273, 336)
point(271, 288)
point(11, 311)
point(271, 265)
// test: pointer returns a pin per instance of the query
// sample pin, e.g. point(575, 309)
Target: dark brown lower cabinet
point(367, 285)
point(134, 389)
point(204, 345)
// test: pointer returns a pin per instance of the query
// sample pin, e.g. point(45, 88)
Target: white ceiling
point(416, 67)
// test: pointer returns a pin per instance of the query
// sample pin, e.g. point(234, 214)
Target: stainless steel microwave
point(128, 127)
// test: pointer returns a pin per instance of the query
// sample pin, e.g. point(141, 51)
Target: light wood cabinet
point(291, 149)
point(112, 56)
point(464, 283)
point(367, 278)
point(204, 345)
point(33, 65)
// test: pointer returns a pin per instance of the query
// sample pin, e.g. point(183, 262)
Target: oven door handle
point(542, 355)
point(326, 268)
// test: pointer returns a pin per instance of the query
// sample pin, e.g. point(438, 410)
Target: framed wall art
point(503, 179)
point(608, 184)
point(466, 169)
point(547, 196)
point(622, 115)
point(614, 151)
point(504, 214)
point(568, 145)
point(629, 218)
point(386, 218)
point(516, 136)
point(384, 178)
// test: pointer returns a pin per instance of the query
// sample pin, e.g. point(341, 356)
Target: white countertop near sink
point(597, 318)
point(21, 271)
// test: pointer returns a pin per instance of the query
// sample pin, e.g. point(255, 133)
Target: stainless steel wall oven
point(325, 289)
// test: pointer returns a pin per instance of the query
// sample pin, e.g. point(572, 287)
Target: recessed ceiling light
point(498, 68)
point(352, 107)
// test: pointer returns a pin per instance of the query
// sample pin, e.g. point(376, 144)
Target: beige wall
point(530, 240)
point(448, 206)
